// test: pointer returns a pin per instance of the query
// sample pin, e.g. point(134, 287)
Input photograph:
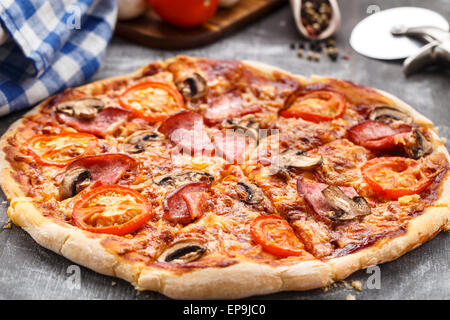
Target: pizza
point(202, 178)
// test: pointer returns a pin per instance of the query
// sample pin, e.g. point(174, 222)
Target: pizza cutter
point(436, 51)
point(400, 33)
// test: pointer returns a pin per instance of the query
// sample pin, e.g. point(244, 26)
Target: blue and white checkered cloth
point(49, 46)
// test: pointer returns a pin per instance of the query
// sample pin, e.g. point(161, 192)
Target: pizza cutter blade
point(372, 36)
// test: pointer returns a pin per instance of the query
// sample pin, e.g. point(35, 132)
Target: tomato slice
point(60, 149)
point(394, 177)
point(315, 106)
point(276, 236)
point(111, 209)
point(153, 101)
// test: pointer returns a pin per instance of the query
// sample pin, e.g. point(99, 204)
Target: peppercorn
point(333, 53)
point(331, 43)
point(316, 16)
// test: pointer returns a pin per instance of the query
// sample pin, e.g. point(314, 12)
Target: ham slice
point(312, 193)
point(378, 135)
point(105, 169)
point(232, 146)
point(186, 129)
point(186, 203)
point(105, 122)
point(226, 106)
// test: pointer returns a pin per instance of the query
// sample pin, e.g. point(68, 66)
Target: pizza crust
point(420, 230)
point(236, 281)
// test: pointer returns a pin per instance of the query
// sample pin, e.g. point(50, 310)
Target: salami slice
point(187, 130)
point(186, 203)
point(106, 122)
point(226, 106)
point(105, 169)
point(378, 135)
point(312, 193)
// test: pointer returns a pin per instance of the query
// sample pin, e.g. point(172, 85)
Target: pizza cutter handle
point(434, 52)
point(427, 34)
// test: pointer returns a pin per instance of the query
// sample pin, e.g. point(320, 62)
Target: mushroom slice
point(192, 87)
point(74, 181)
point(299, 160)
point(249, 193)
point(81, 109)
point(179, 178)
point(282, 173)
point(140, 140)
point(346, 208)
point(389, 114)
point(248, 127)
point(418, 146)
point(183, 252)
point(245, 122)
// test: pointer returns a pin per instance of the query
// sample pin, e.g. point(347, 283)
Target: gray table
point(28, 271)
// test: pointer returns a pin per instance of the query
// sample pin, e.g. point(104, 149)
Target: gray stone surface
point(28, 271)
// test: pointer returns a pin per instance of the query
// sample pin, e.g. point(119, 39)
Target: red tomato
point(152, 101)
point(111, 209)
point(185, 13)
point(394, 177)
point(60, 149)
point(276, 236)
point(316, 106)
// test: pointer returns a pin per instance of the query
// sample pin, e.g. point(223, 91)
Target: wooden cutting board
point(151, 31)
